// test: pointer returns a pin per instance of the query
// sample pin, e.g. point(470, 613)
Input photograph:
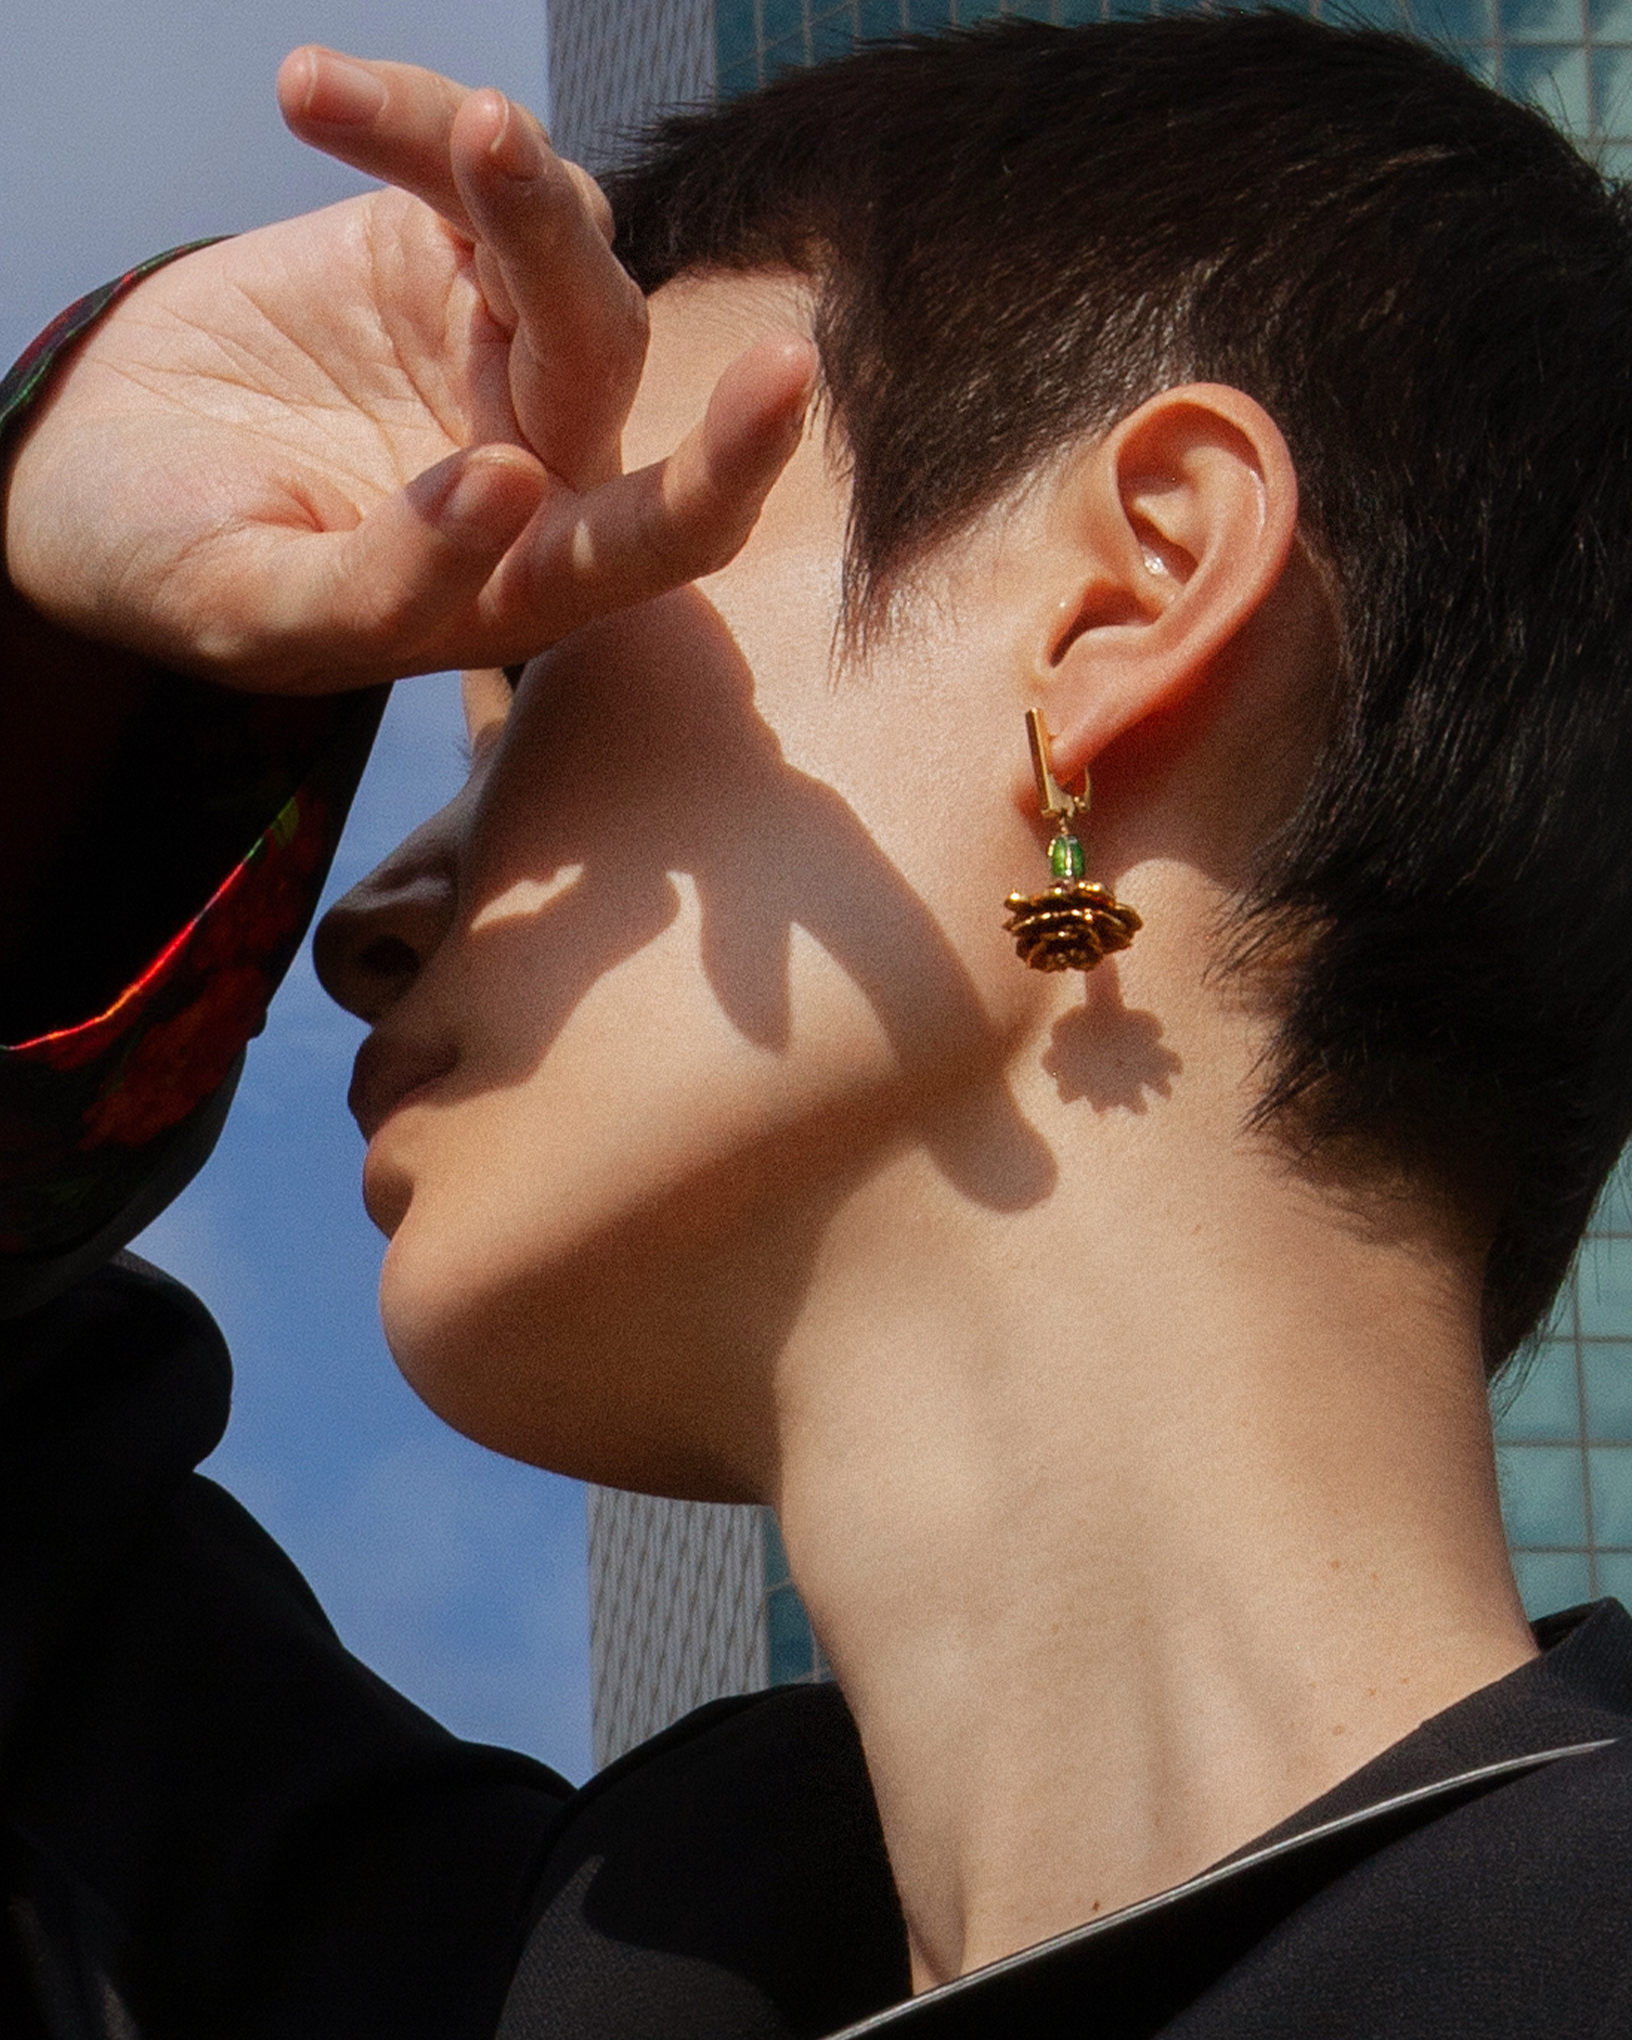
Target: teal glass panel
point(878, 17)
point(1615, 160)
point(1607, 1376)
point(1614, 1213)
point(1543, 1496)
point(1540, 21)
point(1545, 1406)
point(1603, 1288)
point(1611, 22)
point(1612, 83)
point(791, 1649)
point(834, 37)
point(1553, 80)
point(782, 56)
point(1550, 1580)
point(831, 39)
point(1615, 1575)
point(922, 14)
point(739, 77)
point(1455, 20)
point(1609, 1470)
point(735, 36)
point(781, 19)
point(1376, 14)
point(1074, 12)
point(1030, 10)
point(777, 1571)
point(1560, 1321)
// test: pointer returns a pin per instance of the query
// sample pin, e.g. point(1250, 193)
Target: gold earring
point(1074, 924)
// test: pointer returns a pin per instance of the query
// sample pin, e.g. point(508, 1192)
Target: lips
point(387, 1073)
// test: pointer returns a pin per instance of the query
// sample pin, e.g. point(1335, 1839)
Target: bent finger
point(580, 337)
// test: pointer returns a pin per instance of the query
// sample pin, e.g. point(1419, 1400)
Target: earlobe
point(1187, 511)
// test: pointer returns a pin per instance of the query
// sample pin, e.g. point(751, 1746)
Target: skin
point(726, 1150)
point(338, 450)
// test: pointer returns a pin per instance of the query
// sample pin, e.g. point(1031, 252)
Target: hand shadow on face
point(1108, 1054)
point(648, 734)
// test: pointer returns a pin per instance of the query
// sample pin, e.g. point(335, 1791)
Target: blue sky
point(127, 126)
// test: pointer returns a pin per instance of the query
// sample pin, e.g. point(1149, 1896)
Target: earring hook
point(1074, 923)
point(1056, 801)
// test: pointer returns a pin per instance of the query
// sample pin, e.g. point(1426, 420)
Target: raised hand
point(384, 438)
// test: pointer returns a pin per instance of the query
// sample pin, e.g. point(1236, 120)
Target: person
point(216, 1822)
point(1241, 398)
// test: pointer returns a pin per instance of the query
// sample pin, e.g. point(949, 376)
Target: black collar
point(1138, 1967)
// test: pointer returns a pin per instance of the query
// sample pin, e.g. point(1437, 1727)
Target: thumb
point(316, 613)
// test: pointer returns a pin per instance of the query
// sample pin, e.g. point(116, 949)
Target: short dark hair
point(1018, 233)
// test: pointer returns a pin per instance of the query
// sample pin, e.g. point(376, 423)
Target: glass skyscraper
point(1572, 57)
point(690, 1600)
point(1564, 1428)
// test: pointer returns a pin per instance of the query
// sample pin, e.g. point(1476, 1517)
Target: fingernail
point(514, 148)
point(343, 94)
point(474, 506)
point(463, 507)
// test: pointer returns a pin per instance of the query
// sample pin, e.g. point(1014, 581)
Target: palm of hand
point(377, 440)
point(262, 392)
point(357, 340)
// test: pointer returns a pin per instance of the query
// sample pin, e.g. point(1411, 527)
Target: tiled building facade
point(1573, 57)
point(614, 63)
point(1564, 1425)
point(691, 1600)
point(677, 1610)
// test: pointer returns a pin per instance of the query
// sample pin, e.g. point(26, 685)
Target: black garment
point(219, 1824)
point(725, 1881)
point(1492, 1910)
point(215, 1824)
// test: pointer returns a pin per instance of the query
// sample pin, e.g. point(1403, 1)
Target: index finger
point(394, 122)
point(581, 322)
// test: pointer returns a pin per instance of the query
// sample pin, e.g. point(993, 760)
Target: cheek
point(710, 961)
point(637, 1130)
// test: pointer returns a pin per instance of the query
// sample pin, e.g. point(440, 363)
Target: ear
point(1180, 523)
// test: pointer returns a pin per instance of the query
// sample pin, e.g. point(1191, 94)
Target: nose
point(373, 942)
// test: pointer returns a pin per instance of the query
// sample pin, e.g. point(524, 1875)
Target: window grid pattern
point(617, 64)
point(1572, 58)
point(1564, 1428)
point(677, 1611)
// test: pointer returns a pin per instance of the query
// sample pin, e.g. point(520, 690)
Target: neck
point(1133, 1522)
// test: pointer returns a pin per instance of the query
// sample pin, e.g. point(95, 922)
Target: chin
point(557, 1366)
point(437, 1317)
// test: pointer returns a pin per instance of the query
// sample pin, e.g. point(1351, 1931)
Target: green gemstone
point(1065, 857)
